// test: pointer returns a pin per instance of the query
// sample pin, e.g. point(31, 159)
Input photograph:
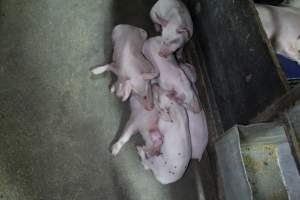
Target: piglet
point(282, 26)
point(175, 151)
point(134, 72)
point(171, 77)
point(144, 122)
point(197, 121)
point(173, 18)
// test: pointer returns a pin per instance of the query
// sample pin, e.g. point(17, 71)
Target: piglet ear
point(143, 33)
point(185, 31)
point(163, 22)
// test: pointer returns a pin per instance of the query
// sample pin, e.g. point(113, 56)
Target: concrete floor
point(56, 122)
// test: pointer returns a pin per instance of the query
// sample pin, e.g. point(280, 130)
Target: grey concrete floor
point(56, 122)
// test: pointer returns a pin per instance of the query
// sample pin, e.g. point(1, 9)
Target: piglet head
point(173, 38)
point(185, 95)
point(118, 31)
point(124, 29)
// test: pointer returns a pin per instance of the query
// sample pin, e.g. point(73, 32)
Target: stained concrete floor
point(56, 122)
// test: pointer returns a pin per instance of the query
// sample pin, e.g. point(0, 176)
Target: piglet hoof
point(115, 149)
point(113, 89)
point(145, 166)
point(141, 152)
point(142, 155)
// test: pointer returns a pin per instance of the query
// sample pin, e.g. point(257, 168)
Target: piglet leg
point(122, 89)
point(150, 75)
point(148, 101)
point(101, 69)
point(129, 130)
point(127, 90)
point(142, 155)
point(113, 89)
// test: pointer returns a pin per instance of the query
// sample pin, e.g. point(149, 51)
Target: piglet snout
point(163, 52)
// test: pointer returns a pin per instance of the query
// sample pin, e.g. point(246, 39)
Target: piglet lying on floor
point(174, 130)
point(175, 151)
point(174, 19)
point(144, 122)
point(282, 25)
point(134, 72)
point(171, 76)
